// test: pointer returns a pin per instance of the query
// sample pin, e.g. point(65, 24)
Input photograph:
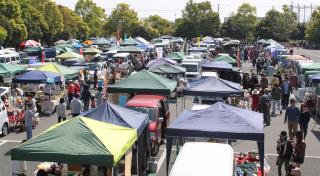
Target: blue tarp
point(218, 121)
point(315, 78)
point(117, 115)
point(143, 46)
point(37, 76)
point(50, 52)
point(213, 87)
point(217, 65)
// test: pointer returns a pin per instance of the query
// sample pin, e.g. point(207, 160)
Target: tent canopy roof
point(102, 41)
point(213, 87)
point(168, 69)
point(177, 56)
point(130, 49)
point(225, 58)
point(219, 121)
point(117, 115)
point(160, 61)
point(79, 140)
point(60, 69)
point(69, 55)
point(10, 69)
point(144, 82)
point(217, 65)
point(312, 67)
point(37, 76)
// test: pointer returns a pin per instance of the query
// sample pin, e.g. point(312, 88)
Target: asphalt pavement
point(309, 168)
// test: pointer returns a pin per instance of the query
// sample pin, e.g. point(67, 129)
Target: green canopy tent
point(115, 47)
point(177, 56)
point(308, 73)
point(7, 70)
point(168, 69)
point(62, 48)
point(130, 49)
point(129, 42)
point(144, 82)
point(226, 58)
point(312, 67)
point(79, 140)
point(69, 55)
point(67, 72)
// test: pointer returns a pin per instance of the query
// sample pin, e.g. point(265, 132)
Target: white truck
point(193, 68)
point(4, 120)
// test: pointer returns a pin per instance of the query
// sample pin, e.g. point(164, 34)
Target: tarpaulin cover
point(10, 69)
point(50, 52)
point(218, 121)
point(67, 72)
point(177, 56)
point(168, 69)
point(213, 87)
point(157, 62)
point(79, 140)
point(225, 58)
point(37, 76)
point(144, 82)
point(102, 41)
point(217, 65)
point(130, 49)
point(117, 115)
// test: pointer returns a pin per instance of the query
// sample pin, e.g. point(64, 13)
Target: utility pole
point(219, 9)
point(304, 13)
point(298, 13)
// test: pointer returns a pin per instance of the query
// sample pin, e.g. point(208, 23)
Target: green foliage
point(122, 18)
point(93, 15)
point(313, 28)
point(279, 26)
point(159, 25)
point(242, 24)
point(198, 19)
point(3, 34)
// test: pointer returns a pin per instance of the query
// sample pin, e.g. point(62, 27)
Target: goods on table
point(248, 164)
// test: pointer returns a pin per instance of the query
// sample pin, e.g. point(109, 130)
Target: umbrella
point(29, 43)
point(79, 140)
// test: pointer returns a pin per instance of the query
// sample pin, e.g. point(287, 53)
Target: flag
point(81, 51)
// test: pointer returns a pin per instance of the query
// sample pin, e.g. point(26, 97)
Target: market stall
point(78, 141)
point(216, 66)
point(218, 121)
point(177, 56)
point(157, 62)
point(226, 58)
point(168, 69)
point(69, 55)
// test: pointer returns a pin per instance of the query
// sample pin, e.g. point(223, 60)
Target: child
point(93, 102)
point(61, 110)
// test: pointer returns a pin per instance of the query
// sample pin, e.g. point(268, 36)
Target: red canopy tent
point(29, 43)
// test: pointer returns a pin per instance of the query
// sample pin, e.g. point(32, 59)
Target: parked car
point(157, 108)
point(4, 120)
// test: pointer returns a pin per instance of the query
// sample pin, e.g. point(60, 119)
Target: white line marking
point(13, 141)
point(161, 160)
point(314, 157)
point(2, 142)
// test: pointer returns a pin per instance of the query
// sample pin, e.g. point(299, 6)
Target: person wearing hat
point(255, 100)
point(285, 152)
point(265, 107)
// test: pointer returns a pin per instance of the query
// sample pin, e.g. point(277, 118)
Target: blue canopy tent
point(217, 66)
point(314, 78)
point(37, 76)
point(117, 115)
point(209, 40)
point(143, 46)
point(213, 87)
point(197, 49)
point(218, 121)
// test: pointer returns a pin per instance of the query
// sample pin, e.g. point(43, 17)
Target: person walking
point(255, 100)
point(95, 78)
point(304, 119)
point(285, 152)
point(274, 80)
point(264, 107)
point(264, 82)
point(85, 97)
point(276, 95)
point(76, 106)
point(292, 116)
point(61, 110)
point(299, 148)
point(28, 120)
point(286, 90)
point(71, 91)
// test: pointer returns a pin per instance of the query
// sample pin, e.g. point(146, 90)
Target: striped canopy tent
point(69, 55)
point(80, 140)
point(67, 72)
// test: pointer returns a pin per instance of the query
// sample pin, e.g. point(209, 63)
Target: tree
point(14, 25)
point(93, 15)
point(73, 25)
point(160, 25)
point(122, 18)
point(3, 35)
point(313, 28)
point(279, 26)
point(198, 19)
point(33, 19)
point(243, 22)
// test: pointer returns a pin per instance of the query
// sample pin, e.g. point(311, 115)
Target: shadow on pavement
point(316, 134)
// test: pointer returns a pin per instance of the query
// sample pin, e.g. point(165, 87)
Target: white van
point(121, 56)
point(205, 159)
point(10, 58)
point(4, 120)
point(192, 68)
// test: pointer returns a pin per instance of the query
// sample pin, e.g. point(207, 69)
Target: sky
point(171, 9)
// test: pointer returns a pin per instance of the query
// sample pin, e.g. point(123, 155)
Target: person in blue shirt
point(292, 116)
point(285, 90)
